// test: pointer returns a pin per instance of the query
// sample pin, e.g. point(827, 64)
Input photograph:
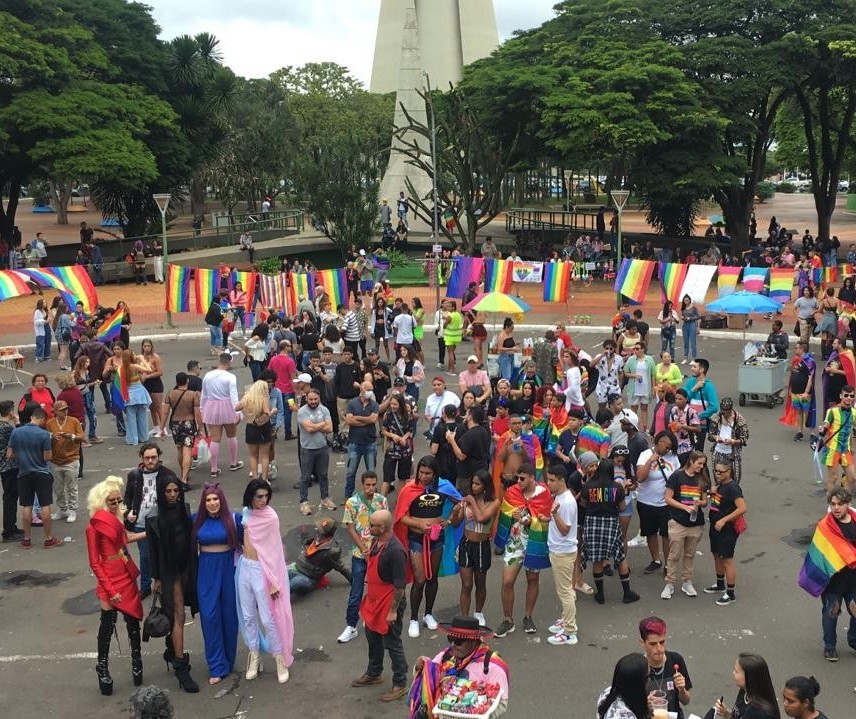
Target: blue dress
point(215, 587)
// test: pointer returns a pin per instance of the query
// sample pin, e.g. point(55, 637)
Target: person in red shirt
point(282, 364)
point(39, 394)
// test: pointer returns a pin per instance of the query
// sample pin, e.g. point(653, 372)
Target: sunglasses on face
point(847, 394)
point(621, 452)
point(114, 500)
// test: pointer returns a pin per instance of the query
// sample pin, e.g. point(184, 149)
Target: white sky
point(258, 37)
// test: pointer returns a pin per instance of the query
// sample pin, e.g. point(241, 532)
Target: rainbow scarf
point(557, 281)
point(335, 284)
point(177, 288)
point(828, 553)
point(428, 684)
point(633, 278)
point(207, 287)
point(672, 276)
point(111, 327)
point(537, 554)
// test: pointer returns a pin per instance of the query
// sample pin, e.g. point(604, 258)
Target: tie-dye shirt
point(686, 490)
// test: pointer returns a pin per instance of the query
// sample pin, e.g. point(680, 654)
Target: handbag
point(740, 525)
point(156, 623)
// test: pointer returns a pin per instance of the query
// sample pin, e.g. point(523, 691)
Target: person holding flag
point(840, 370)
point(799, 402)
point(834, 448)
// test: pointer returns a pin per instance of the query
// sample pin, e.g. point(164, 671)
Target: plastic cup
point(659, 704)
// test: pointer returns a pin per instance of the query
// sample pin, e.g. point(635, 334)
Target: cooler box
point(737, 322)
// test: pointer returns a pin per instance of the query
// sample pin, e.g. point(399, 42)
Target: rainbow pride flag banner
point(829, 275)
point(672, 276)
point(177, 288)
point(301, 285)
point(633, 278)
point(781, 283)
point(726, 282)
point(845, 269)
point(335, 284)
point(248, 282)
point(111, 327)
point(206, 287)
point(464, 271)
point(753, 278)
point(12, 285)
point(272, 288)
point(557, 281)
point(79, 287)
point(498, 275)
point(828, 553)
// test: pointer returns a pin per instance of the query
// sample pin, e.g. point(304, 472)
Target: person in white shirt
point(573, 381)
point(402, 328)
point(217, 405)
point(562, 545)
point(435, 402)
point(439, 317)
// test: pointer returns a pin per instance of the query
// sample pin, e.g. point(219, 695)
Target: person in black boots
point(172, 565)
point(116, 577)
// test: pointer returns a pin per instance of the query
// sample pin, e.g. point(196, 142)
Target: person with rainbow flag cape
point(840, 370)
point(519, 439)
point(468, 656)
point(521, 534)
point(829, 569)
point(799, 402)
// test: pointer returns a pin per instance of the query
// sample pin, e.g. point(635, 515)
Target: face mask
point(368, 395)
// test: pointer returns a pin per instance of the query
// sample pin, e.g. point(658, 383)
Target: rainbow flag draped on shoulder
point(828, 553)
point(537, 555)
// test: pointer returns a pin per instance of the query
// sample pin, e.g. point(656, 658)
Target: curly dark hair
point(151, 703)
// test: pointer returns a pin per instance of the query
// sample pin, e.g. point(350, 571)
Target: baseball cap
point(725, 403)
point(628, 416)
point(372, 351)
point(362, 253)
point(472, 358)
point(326, 526)
point(304, 377)
point(587, 459)
point(399, 382)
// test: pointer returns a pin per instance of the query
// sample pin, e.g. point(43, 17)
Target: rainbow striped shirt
point(592, 439)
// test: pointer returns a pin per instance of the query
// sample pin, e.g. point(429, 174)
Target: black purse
point(156, 624)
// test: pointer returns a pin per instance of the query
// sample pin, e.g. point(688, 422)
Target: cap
point(399, 382)
point(326, 526)
point(372, 351)
point(362, 253)
point(60, 404)
point(628, 416)
point(304, 377)
point(472, 358)
point(725, 403)
point(587, 459)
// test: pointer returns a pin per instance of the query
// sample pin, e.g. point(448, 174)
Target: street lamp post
point(435, 220)
point(619, 197)
point(162, 200)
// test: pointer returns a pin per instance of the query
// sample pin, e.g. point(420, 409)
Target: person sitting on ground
point(320, 555)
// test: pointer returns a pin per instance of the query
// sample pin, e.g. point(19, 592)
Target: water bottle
point(694, 514)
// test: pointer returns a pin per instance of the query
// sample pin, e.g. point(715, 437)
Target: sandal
point(584, 589)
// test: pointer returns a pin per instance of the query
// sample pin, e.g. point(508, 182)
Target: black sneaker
point(726, 599)
point(713, 589)
point(630, 596)
point(504, 629)
point(654, 566)
point(831, 655)
point(529, 625)
point(798, 437)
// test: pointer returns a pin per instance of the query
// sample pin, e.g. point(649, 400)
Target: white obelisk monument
point(421, 42)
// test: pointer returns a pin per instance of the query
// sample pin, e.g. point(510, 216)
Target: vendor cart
point(761, 379)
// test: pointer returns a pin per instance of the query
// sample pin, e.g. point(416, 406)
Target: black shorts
point(653, 520)
point(154, 385)
point(259, 433)
point(397, 469)
point(723, 544)
point(183, 432)
point(474, 555)
point(35, 484)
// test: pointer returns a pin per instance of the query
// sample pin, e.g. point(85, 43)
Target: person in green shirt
point(668, 371)
point(453, 326)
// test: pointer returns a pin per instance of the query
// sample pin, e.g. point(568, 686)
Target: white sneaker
point(562, 639)
point(429, 621)
point(61, 514)
point(480, 617)
point(72, 517)
point(688, 589)
point(558, 627)
point(347, 635)
point(273, 472)
point(413, 629)
point(684, 361)
point(637, 541)
point(667, 592)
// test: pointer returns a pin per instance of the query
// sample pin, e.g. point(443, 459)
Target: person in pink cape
point(262, 585)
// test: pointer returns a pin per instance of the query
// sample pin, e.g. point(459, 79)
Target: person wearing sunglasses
point(468, 656)
point(726, 507)
point(835, 437)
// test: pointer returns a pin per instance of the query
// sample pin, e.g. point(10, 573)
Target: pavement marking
point(47, 657)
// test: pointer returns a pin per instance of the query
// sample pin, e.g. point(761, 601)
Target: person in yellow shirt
point(668, 371)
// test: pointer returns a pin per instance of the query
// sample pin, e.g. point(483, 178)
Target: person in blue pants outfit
point(218, 534)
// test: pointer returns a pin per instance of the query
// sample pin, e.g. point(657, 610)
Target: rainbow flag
point(846, 269)
point(726, 283)
point(829, 275)
point(335, 284)
point(207, 287)
point(537, 556)
point(111, 327)
point(248, 284)
point(633, 278)
point(78, 286)
point(464, 271)
point(557, 281)
point(380, 262)
point(828, 553)
point(781, 283)
point(12, 285)
point(497, 275)
point(301, 284)
point(177, 288)
point(672, 276)
point(273, 291)
point(753, 278)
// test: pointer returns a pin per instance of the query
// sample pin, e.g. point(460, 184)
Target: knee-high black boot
point(105, 634)
point(133, 625)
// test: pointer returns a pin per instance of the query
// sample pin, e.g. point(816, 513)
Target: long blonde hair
point(256, 400)
point(97, 497)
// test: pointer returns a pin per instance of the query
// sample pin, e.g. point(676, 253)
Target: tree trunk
point(60, 195)
point(197, 196)
point(737, 207)
point(824, 203)
point(7, 214)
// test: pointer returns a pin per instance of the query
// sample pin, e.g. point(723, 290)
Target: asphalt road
point(48, 618)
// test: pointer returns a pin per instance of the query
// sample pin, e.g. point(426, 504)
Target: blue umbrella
point(744, 303)
point(716, 219)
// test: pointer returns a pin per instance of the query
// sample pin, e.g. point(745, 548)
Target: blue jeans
point(91, 414)
point(239, 316)
point(358, 580)
point(833, 606)
point(412, 390)
point(367, 452)
point(506, 365)
point(300, 584)
point(216, 337)
point(143, 546)
point(41, 344)
point(690, 331)
point(286, 416)
point(667, 340)
point(137, 421)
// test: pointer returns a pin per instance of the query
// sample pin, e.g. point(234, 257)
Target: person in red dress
point(116, 577)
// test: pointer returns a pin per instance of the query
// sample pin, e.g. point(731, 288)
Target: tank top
point(471, 525)
point(452, 332)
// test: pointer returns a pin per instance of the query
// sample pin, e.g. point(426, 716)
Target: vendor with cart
point(468, 657)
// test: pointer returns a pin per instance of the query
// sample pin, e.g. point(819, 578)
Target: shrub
point(788, 188)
